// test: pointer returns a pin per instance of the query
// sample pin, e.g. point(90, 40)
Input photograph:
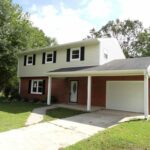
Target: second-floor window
point(49, 57)
point(75, 54)
point(30, 60)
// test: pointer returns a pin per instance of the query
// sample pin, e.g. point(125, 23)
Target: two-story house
point(92, 72)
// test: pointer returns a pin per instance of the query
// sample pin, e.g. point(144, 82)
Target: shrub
point(14, 94)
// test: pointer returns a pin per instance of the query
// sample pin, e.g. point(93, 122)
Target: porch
point(125, 90)
point(95, 93)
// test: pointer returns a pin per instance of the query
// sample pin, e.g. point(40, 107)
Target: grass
point(134, 135)
point(58, 113)
point(14, 115)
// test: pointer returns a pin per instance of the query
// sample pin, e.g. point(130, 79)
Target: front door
point(73, 91)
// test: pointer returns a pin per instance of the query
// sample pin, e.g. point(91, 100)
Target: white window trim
point(52, 57)
point(75, 59)
point(32, 92)
point(28, 58)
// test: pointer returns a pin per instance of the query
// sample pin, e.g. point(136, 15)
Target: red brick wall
point(24, 89)
point(61, 88)
point(99, 87)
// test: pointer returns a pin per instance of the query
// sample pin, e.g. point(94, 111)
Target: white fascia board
point(97, 73)
point(60, 46)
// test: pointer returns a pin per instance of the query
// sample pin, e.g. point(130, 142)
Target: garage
point(125, 95)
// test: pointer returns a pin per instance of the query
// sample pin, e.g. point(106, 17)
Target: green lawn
point(58, 113)
point(14, 115)
point(134, 135)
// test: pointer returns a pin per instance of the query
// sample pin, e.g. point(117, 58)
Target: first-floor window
point(37, 87)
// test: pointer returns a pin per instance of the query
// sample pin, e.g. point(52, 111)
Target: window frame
point(46, 57)
point(73, 49)
point(37, 87)
point(28, 59)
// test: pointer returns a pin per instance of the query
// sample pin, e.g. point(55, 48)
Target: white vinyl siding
point(91, 59)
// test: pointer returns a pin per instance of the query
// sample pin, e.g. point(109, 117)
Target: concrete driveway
point(60, 133)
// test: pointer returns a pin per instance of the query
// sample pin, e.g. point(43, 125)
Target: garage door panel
point(125, 95)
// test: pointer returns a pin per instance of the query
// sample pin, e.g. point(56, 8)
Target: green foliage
point(16, 34)
point(128, 33)
point(142, 44)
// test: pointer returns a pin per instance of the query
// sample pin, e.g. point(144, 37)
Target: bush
point(7, 92)
point(15, 95)
point(12, 93)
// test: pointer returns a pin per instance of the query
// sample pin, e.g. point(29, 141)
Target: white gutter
point(96, 73)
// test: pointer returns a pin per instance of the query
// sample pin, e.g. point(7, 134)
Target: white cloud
point(65, 25)
point(99, 8)
point(135, 9)
point(68, 24)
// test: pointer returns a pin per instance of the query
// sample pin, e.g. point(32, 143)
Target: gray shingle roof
point(140, 63)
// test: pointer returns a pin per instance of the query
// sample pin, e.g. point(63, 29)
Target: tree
point(142, 44)
point(126, 32)
point(16, 34)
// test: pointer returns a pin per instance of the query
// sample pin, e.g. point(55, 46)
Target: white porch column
point(89, 93)
point(146, 95)
point(49, 91)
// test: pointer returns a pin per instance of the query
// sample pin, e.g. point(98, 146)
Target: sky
point(71, 20)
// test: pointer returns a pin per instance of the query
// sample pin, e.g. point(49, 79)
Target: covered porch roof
point(130, 66)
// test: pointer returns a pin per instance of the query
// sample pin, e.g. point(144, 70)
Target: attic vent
point(105, 54)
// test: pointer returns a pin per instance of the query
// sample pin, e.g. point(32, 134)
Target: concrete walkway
point(61, 132)
point(38, 113)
